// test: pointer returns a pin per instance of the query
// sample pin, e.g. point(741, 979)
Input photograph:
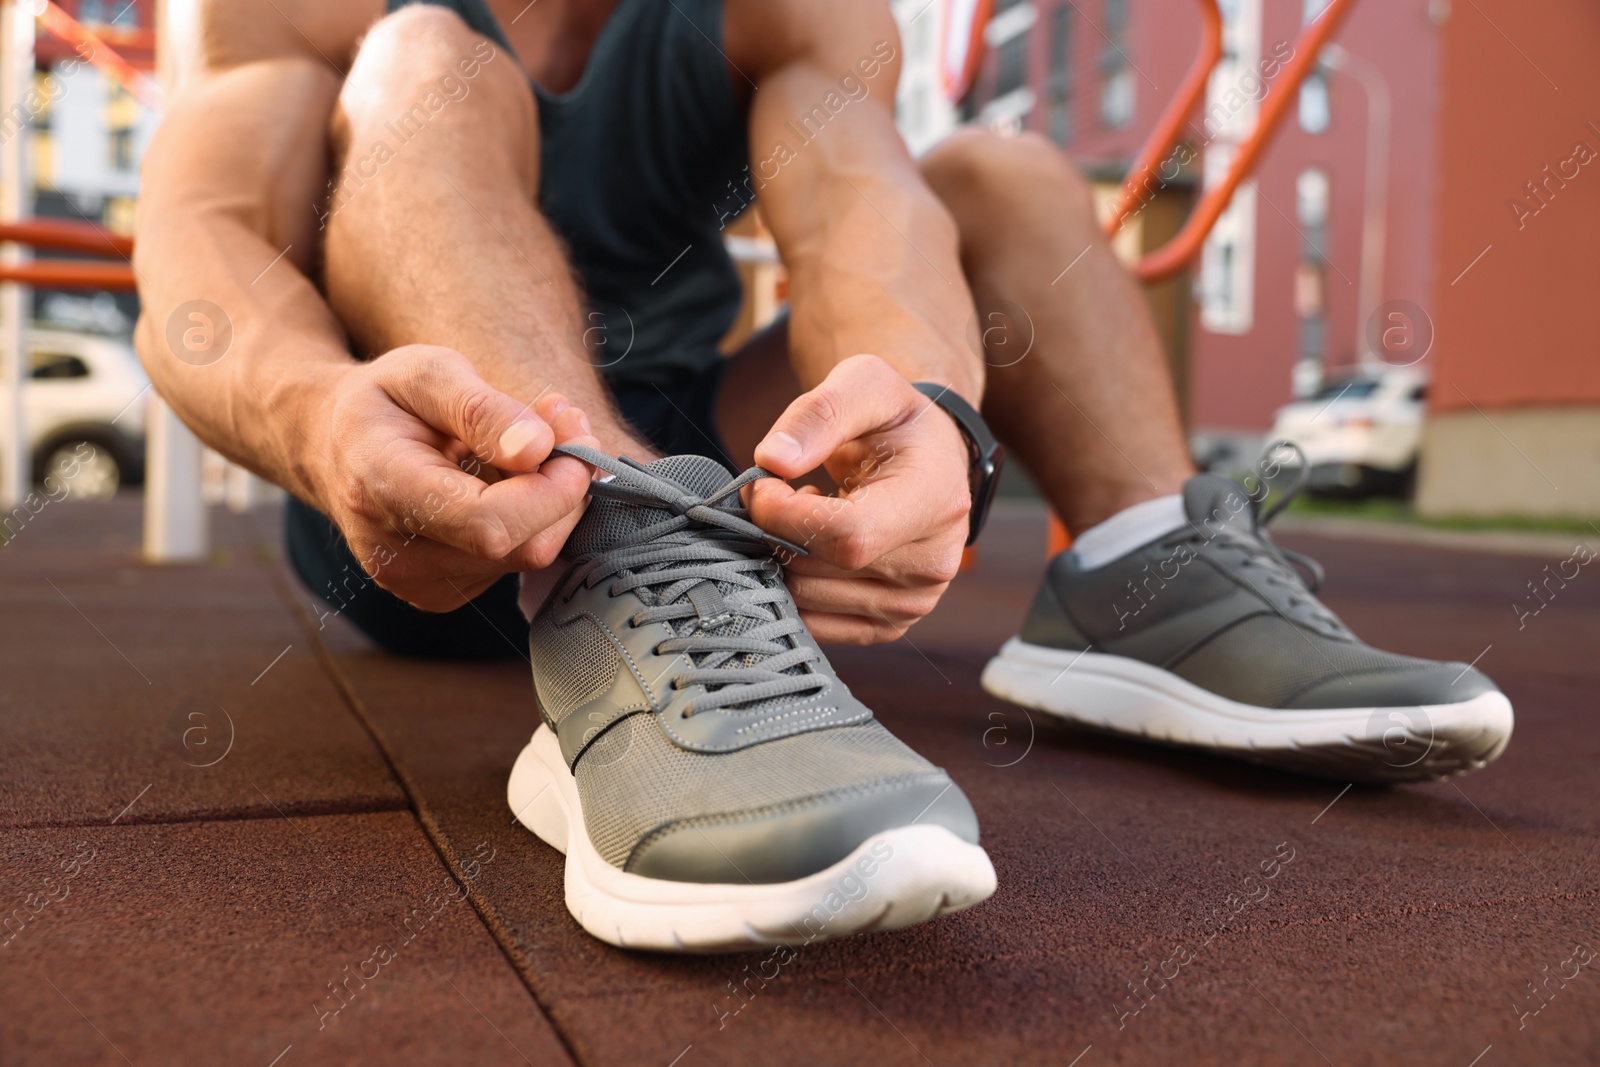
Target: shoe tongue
point(609, 521)
point(1215, 501)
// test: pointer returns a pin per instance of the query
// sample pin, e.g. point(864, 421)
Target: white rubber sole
point(894, 879)
point(1361, 744)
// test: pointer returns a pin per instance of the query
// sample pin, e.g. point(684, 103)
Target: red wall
point(1238, 381)
point(1519, 327)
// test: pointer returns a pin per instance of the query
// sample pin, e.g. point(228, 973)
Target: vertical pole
point(175, 520)
point(16, 199)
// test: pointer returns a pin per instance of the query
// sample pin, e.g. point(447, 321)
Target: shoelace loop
point(1276, 562)
point(680, 567)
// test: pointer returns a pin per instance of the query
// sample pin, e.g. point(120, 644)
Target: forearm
point(224, 237)
point(873, 258)
point(889, 284)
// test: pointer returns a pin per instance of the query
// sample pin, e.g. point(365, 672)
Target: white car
point(1360, 432)
point(84, 411)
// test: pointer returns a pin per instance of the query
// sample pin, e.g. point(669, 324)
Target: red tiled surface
point(119, 676)
point(1404, 930)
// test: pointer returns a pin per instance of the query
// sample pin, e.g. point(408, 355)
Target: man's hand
point(883, 551)
point(439, 482)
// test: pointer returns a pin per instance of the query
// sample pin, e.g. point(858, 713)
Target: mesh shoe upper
point(1220, 605)
point(709, 738)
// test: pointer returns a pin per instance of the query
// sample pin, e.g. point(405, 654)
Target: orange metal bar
point(1176, 253)
point(96, 51)
point(67, 236)
point(1143, 180)
point(69, 274)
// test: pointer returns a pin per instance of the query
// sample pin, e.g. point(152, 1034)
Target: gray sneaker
point(1209, 638)
point(714, 785)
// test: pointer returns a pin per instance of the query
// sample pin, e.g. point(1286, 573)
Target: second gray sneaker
point(1209, 638)
point(714, 785)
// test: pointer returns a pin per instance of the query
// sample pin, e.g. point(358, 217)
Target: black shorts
point(676, 418)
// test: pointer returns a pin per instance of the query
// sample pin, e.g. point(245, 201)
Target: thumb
point(860, 395)
point(442, 388)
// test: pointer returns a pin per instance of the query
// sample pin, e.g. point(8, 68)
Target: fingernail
point(783, 445)
point(558, 404)
point(583, 423)
point(517, 436)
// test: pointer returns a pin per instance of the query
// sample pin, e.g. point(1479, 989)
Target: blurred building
point(85, 150)
point(1414, 140)
point(1278, 284)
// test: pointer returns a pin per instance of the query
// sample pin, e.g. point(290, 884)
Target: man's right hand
point(393, 445)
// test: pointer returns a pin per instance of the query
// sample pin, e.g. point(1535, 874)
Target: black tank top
point(636, 162)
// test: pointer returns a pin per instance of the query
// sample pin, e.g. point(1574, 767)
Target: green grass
point(1386, 509)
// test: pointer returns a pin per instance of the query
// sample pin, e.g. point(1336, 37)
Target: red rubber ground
point(221, 902)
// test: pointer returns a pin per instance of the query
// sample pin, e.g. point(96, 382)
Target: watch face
point(985, 480)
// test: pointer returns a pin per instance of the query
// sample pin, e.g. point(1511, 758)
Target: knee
point(423, 59)
point(980, 174)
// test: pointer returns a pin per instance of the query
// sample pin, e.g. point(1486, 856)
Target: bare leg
point(434, 238)
point(1090, 409)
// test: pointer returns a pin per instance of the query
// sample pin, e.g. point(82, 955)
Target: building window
point(92, 12)
point(1012, 70)
point(1227, 260)
point(1312, 201)
point(1008, 33)
point(1315, 113)
point(121, 143)
point(1311, 194)
point(121, 115)
point(1061, 74)
point(1116, 72)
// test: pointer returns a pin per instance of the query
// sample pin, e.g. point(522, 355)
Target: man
point(510, 215)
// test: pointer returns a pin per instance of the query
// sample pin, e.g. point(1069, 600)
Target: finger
point(831, 629)
point(879, 517)
point(442, 388)
point(395, 560)
point(934, 561)
point(885, 601)
point(566, 421)
point(544, 548)
point(421, 494)
point(860, 395)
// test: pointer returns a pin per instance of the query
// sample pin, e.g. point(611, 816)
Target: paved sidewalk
point(230, 836)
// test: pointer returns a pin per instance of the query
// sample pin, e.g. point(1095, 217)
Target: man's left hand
point(881, 552)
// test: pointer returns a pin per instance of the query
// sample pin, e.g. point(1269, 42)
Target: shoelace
point(1276, 563)
point(679, 564)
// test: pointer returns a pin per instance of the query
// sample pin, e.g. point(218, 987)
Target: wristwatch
point(988, 455)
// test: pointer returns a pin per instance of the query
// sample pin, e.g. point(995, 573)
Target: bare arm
point(229, 231)
point(230, 182)
point(878, 301)
point(871, 253)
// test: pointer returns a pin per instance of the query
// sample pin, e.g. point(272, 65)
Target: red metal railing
point(1142, 177)
point(65, 235)
point(93, 48)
